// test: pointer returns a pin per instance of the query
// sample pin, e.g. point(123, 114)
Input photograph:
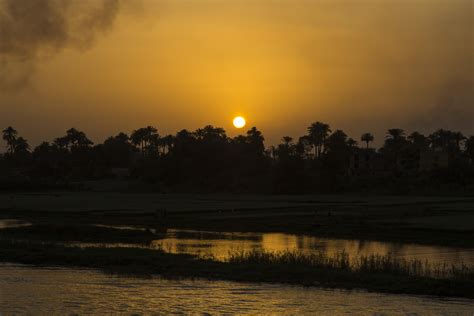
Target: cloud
point(34, 30)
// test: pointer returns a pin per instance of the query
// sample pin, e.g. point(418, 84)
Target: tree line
point(208, 160)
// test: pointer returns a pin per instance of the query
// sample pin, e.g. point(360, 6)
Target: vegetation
point(387, 264)
point(385, 274)
point(207, 160)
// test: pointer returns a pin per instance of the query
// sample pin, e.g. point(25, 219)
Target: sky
point(106, 66)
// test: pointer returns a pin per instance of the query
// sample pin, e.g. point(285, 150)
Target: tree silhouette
point(145, 138)
point(445, 140)
point(318, 132)
point(337, 142)
point(117, 150)
point(351, 142)
point(367, 138)
point(396, 134)
point(469, 148)
point(287, 140)
point(256, 140)
point(21, 145)
point(9, 135)
point(459, 137)
point(167, 143)
point(207, 159)
point(304, 147)
point(77, 139)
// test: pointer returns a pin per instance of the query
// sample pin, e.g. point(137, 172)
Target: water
point(4, 223)
point(30, 290)
point(219, 245)
point(54, 291)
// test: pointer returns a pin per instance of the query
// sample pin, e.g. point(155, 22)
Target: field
point(426, 220)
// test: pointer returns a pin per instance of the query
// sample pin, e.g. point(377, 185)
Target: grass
point(386, 264)
point(377, 273)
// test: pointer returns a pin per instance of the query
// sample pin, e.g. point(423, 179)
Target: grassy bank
point(372, 264)
point(385, 274)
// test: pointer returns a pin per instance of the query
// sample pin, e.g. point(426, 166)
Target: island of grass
point(374, 273)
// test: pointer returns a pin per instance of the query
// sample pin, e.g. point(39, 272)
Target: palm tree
point(144, 138)
point(418, 140)
point(167, 143)
point(255, 138)
point(62, 142)
point(210, 133)
point(287, 140)
point(21, 145)
point(352, 142)
point(445, 140)
point(394, 140)
point(304, 147)
point(396, 134)
point(154, 143)
point(458, 137)
point(318, 132)
point(367, 138)
point(74, 139)
point(9, 135)
point(337, 141)
point(138, 138)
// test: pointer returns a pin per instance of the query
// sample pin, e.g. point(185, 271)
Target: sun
point(239, 121)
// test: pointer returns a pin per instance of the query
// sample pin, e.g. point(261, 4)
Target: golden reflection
point(219, 245)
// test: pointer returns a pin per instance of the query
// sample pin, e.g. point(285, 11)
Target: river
point(59, 291)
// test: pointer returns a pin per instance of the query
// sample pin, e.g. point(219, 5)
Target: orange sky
point(359, 65)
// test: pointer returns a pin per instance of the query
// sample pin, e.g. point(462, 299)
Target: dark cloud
point(32, 30)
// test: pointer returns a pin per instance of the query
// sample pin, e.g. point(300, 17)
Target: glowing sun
point(239, 122)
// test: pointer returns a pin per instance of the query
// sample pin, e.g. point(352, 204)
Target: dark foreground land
point(62, 219)
point(447, 221)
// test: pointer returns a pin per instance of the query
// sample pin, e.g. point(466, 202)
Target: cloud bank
point(34, 30)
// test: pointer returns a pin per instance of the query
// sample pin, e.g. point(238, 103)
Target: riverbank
point(380, 274)
point(399, 224)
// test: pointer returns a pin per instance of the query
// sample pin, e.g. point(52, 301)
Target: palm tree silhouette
point(418, 140)
point(9, 135)
point(145, 138)
point(21, 145)
point(459, 137)
point(396, 134)
point(352, 142)
point(167, 143)
point(318, 132)
point(255, 138)
point(367, 138)
point(287, 140)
